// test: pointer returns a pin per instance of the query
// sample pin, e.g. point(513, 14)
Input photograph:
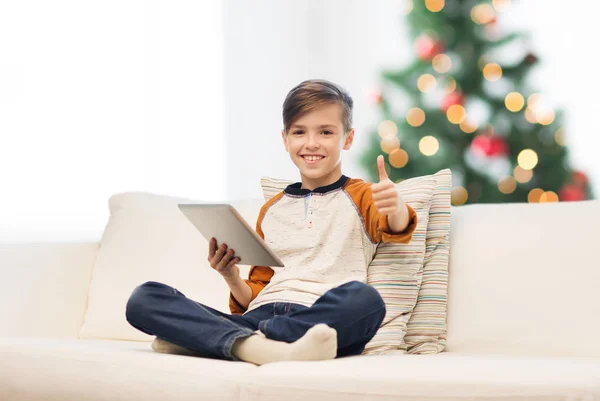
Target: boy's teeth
point(313, 158)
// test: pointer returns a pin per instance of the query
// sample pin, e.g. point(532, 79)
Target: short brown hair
point(308, 95)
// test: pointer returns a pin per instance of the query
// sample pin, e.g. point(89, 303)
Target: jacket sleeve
point(376, 223)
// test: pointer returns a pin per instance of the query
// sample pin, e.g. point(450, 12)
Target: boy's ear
point(285, 142)
point(349, 139)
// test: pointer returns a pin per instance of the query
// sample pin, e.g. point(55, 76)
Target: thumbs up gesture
point(388, 200)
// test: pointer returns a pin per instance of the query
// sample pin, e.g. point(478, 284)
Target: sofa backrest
point(524, 279)
point(44, 288)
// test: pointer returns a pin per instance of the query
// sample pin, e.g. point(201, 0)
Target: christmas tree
point(463, 104)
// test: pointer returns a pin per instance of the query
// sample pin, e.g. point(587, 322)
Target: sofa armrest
point(44, 288)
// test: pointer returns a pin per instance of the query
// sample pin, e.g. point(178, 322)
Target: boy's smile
point(315, 142)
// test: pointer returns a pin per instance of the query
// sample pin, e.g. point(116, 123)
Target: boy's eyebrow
point(320, 126)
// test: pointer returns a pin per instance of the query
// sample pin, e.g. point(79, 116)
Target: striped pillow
point(396, 269)
point(426, 330)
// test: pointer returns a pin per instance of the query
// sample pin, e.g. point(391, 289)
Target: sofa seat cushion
point(444, 376)
point(61, 369)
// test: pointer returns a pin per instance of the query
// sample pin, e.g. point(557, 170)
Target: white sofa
point(523, 324)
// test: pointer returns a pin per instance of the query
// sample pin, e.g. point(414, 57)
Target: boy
point(325, 229)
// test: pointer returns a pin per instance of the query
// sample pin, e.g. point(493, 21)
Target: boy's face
point(315, 142)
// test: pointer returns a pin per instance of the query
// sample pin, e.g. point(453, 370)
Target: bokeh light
point(560, 138)
point(548, 196)
point(426, 83)
point(507, 185)
point(441, 63)
point(415, 117)
point(534, 195)
point(522, 175)
point(387, 128)
point(492, 72)
point(456, 114)
point(514, 101)
point(482, 13)
point(533, 100)
point(530, 115)
point(390, 143)
point(468, 127)
point(527, 159)
point(450, 85)
point(398, 158)
point(429, 145)
point(434, 5)
point(459, 195)
point(501, 5)
point(545, 117)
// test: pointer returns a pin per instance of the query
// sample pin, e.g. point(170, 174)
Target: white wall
point(104, 97)
point(271, 45)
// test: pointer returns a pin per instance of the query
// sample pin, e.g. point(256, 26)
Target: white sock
point(165, 347)
point(319, 343)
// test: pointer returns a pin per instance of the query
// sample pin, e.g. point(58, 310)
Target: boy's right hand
point(222, 260)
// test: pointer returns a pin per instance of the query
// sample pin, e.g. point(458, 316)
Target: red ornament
point(489, 146)
point(530, 58)
point(452, 99)
point(375, 97)
point(571, 192)
point(427, 48)
point(579, 178)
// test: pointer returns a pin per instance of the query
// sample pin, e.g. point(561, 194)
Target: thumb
point(382, 173)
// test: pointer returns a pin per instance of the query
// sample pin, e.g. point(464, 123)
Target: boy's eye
point(328, 132)
point(297, 132)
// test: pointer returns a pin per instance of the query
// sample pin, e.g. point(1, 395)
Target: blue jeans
point(355, 310)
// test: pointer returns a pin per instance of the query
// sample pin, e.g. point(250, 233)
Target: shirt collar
point(296, 189)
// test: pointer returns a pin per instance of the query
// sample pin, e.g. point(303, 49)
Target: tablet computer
point(223, 222)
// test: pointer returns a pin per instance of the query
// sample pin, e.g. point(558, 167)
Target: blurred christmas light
point(456, 114)
point(434, 5)
point(548, 196)
point(387, 128)
point(450, 85)
point(507, 185)
point(533, 100)
point(514, 101)
point(415, 117)
point(534, 195)
point(442, 63)
point(501, 5)
point(559, 137)
point(459, 196)
point(427, 47)
point(429, 145)
point(527, 159)
point(426, 83)
point(521, 175)
point(390, 143)
point(398, 158)
point(467, 127)
point(492, 72)
point(546, 117)
point(482, 14)
point(408, 6)
point(530, 115)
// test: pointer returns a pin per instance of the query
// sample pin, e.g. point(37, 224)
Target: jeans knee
point(366, 296)
point(139, 300)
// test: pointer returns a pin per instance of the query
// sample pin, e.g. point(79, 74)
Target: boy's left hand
point(387, 200)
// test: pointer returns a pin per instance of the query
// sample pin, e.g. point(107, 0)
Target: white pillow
point(147, 238)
